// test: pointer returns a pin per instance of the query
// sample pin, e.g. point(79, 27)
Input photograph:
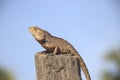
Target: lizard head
point(38, 33)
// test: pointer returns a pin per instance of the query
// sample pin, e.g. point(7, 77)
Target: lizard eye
point(46, 40)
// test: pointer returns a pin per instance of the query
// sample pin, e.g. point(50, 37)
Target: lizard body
point(56, 46)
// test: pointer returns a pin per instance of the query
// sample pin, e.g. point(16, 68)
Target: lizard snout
point(32, 30)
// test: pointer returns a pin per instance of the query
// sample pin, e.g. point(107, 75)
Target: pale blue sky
point(92, 26)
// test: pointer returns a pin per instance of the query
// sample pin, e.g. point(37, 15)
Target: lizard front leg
point(55, 51)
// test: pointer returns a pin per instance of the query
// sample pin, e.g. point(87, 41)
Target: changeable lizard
point(56, 46)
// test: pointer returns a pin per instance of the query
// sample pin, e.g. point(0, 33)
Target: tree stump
point(57, 67)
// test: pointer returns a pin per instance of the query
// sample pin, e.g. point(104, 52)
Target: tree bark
point(57, 67)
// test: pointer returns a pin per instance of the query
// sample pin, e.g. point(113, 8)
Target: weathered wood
point(57, 67)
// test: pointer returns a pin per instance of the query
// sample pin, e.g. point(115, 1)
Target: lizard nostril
point(30, 29)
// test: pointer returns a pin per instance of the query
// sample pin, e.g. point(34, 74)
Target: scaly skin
point(56, 46)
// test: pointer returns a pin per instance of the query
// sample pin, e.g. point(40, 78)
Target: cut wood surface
point(57, 67)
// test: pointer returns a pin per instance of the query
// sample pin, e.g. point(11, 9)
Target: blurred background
point(91, 26)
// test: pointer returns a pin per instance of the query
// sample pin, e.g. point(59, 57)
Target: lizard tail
point(84, 68)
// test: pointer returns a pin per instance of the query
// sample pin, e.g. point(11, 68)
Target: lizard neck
point(47, 39)
point(47, 43)
point(44, 39)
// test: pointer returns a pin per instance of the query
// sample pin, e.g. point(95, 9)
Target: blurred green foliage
point(112, 56)
point(5, 75)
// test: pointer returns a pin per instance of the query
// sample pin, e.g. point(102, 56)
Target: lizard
point(56, 45)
